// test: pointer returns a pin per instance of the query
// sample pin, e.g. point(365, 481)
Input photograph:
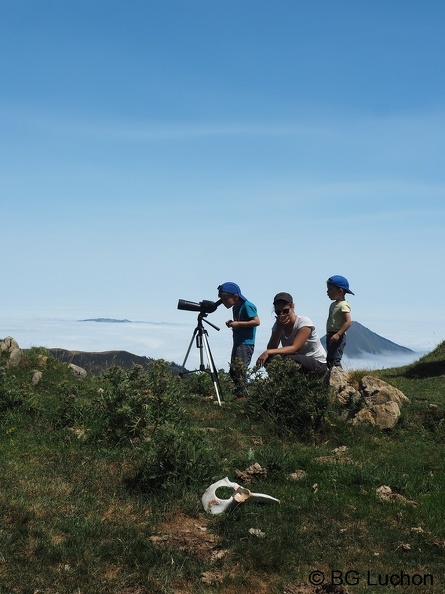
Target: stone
point(384, 416)
point(78, 372)
point(10, 345)
point(15, 356)
point(376, 391)
point(338, 379)
point(36, 377)
point(373, 401)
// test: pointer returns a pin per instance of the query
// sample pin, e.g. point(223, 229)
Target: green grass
point(101, 483)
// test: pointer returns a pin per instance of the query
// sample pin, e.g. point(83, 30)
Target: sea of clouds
point(160, 340)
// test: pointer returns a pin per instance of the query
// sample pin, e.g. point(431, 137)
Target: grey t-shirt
point(312, 347)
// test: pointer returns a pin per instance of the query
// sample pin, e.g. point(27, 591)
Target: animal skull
point(214, 505)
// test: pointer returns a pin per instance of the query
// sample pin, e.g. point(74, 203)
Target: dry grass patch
point(190, 535)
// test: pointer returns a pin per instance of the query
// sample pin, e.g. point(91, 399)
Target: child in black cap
point(339, 319)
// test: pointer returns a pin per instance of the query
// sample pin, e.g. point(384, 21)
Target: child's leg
point(335, 350)
point(240, 360)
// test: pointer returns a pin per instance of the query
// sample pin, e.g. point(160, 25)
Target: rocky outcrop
point(10, 346)
point(371, 401)
point(14, 356)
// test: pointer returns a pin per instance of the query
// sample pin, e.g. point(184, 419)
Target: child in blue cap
point(243, 326)
point(339, 319)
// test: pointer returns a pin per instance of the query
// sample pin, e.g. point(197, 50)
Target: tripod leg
point(213, 373)
point(190, 346)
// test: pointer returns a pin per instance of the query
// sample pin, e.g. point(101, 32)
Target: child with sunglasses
point(298, 338)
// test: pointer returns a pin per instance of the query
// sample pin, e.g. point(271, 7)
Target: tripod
point(201, 336)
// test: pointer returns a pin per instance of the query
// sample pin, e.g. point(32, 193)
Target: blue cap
point(341, 282)
point(232, 288)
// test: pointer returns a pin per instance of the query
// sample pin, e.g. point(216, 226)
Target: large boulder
point(384, 416)
point(10, 346)
point(376, 391)
point(372, 401)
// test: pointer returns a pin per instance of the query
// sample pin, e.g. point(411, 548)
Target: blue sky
point(153, 150)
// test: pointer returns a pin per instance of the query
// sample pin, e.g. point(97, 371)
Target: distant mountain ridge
point(97, 363)
point(361, 341)
point(107, 320)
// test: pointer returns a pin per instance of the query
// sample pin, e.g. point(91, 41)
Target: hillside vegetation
point(102, 481)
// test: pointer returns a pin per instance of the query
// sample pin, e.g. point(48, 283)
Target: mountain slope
point(361, 341)
point(96, 363)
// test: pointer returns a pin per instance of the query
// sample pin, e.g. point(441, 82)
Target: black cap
point(287, 297)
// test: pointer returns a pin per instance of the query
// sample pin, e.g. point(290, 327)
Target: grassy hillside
point(101, 485)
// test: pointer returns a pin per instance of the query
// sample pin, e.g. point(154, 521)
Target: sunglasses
point(282, 311)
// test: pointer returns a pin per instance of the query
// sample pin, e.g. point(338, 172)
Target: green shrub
point(291, 400)
point(434, 421)
point(131, 404)
point(197, 384)
point(177, 457)
point(13, 394)
point(201, 384)
point(51, 399)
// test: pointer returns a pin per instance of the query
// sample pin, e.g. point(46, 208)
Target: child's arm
point(346, 324)
point(236, 325)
